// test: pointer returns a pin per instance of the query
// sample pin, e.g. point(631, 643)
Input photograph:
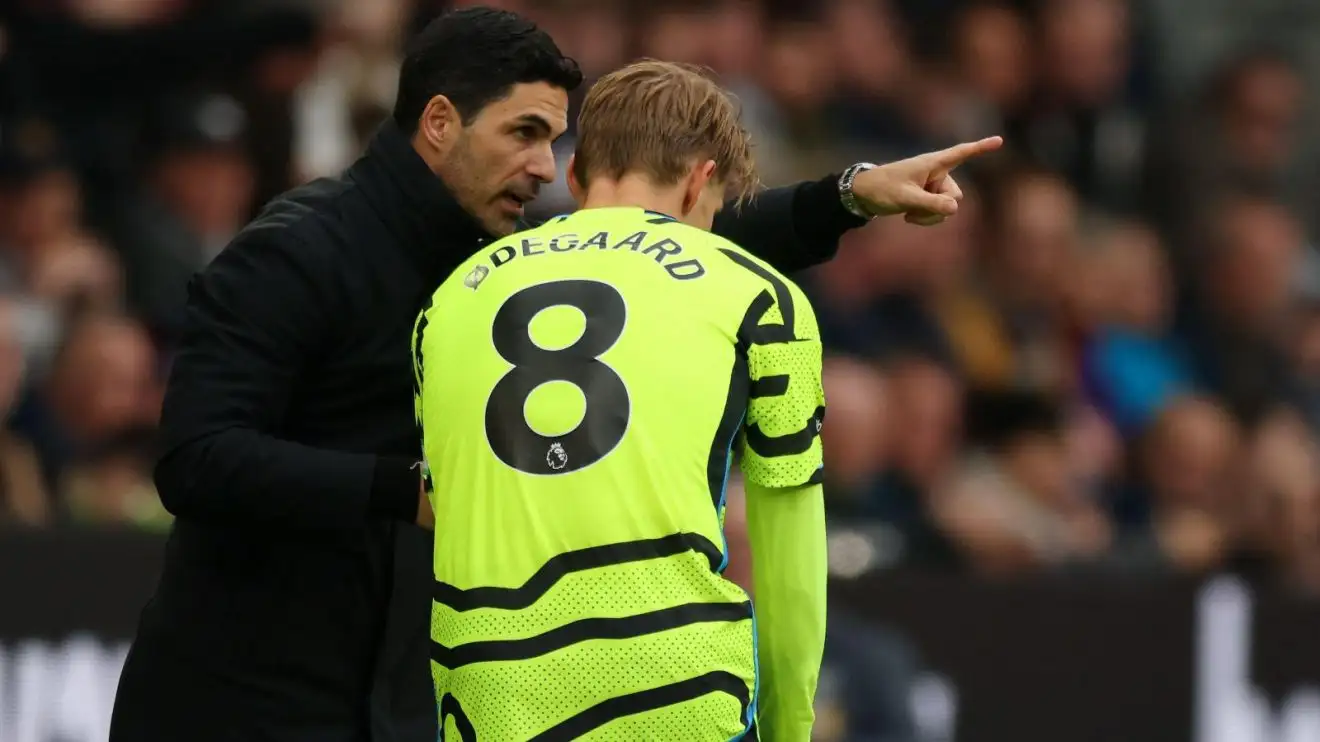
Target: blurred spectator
point(118, 14)
point(285, 55)
point(1014, 505)
point(103, 384)
point(855, 431)
point(739, 28)
point(351, 89)
point(878, 297)
point(23, 495)
point(1236, 327)
point(797, 76)
point(678, 33)
point(1080, 122)
point(197, 194)
point(992, 48)
point(1179, 512)
point(925, 428)
point(112, 485)
point(1133, 366)
point(1007, 329)
point(871, 61)
point(79, 274)
point(1242, 131)
point(1278, 518)
point(40, 198)
point(1094, 452)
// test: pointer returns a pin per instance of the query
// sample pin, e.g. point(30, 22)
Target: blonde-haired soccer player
point(601, 374)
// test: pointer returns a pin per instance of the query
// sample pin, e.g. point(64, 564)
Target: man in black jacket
point(294, 600)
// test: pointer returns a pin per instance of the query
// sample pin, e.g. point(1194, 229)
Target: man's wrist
point(395, 483)
point(848, 197)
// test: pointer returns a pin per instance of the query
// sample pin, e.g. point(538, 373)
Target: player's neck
point(636, 192)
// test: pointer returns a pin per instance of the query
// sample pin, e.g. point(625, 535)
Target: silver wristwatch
point(846, 194)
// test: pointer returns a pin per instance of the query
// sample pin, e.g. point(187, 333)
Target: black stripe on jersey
point(648, 700)
point(518, 598)
point(721, 448)
point(451, 709)
point(422, 322)
point(785, 445)
point(658, 218)
point(629, 627)
point(770, 386)
point(751, 331)
point(780, 333)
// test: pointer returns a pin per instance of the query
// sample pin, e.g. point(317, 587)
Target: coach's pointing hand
point(920, 188)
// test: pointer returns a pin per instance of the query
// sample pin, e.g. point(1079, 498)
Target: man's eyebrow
point(536, 120)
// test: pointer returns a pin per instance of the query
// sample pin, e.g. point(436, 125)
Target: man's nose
point(542, 164)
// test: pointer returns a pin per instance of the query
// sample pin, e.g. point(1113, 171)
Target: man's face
point(502, 155)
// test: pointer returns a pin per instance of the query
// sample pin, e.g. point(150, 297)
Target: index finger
point(960, 153)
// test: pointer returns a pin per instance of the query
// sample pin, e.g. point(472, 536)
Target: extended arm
point(256, 318)
point(791, 228)
point(799, 226)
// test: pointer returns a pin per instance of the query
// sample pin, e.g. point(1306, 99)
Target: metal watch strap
point(846, 195)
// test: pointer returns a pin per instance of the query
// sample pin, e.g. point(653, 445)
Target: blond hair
point(655, 118)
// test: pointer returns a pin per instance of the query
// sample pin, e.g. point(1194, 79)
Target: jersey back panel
point(582, 385)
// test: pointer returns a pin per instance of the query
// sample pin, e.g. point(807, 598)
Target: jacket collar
point(415, 204)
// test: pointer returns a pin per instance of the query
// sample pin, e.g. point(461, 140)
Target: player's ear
point(574, 186)
point(439, 125)
point(696, 184)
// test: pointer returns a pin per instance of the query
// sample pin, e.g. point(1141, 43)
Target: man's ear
point(696, 182)
point(574, 187)
point(439, 125)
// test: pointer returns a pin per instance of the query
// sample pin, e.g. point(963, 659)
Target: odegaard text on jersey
point(664, 250)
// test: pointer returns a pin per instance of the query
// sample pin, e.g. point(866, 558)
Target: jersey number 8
point(603, 424)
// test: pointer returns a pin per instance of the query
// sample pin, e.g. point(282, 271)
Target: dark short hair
point(474, 57)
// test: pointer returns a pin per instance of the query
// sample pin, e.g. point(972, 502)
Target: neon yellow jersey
point(581, 387)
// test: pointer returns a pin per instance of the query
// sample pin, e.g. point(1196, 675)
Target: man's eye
point(525, 133)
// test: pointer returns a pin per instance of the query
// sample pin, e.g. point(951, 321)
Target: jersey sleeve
point(786, 530)
point(786, 402)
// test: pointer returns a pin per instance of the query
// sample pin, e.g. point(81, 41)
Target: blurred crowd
point(1109, 360)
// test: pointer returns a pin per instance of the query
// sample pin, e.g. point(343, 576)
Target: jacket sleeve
point(255, 319)
point(791, 228)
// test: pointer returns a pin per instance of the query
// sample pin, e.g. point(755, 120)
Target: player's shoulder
point(473, 271)
point(757, 271)
point(738, 262)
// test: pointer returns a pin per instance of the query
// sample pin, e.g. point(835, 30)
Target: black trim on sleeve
point(785, 445)
point(395, 488)
point(770, 386)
